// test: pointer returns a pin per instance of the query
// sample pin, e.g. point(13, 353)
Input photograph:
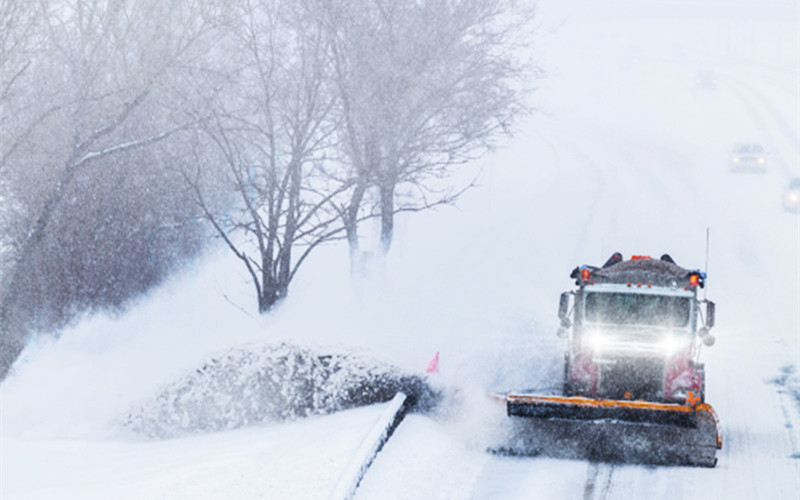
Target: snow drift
point(271, 383)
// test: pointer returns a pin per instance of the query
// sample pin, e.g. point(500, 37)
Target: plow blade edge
point(613, 430)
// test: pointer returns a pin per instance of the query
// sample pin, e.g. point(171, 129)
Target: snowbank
point(271, 383)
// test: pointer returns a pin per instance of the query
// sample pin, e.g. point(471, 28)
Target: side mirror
point(563, 310)
point(709, 314)
point(706, 336)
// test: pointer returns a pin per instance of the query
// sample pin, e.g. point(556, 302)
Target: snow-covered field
point(629, 155)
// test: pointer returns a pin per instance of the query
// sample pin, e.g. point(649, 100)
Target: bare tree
point(272, 127)
point(85, 93)
point(424, 86)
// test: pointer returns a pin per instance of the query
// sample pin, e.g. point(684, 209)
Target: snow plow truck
point(633, 388)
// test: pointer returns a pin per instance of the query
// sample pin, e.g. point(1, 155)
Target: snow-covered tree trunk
point(350, 216)
point(387, 216)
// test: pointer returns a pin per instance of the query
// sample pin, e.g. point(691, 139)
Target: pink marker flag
point(433, 365)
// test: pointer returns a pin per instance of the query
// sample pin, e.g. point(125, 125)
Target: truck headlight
point(672, 344)
point(595, 340)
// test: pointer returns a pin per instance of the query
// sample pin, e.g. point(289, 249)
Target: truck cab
point(634, 331)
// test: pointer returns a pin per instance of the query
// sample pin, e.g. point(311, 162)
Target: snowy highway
point(625, 153)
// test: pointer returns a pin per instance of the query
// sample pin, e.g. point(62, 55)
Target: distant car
point(791, 195)
point(748, 157)
point(706, 80)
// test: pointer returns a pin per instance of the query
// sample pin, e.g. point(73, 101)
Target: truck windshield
point(633, 309)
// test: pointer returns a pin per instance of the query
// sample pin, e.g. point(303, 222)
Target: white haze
point(627, 154)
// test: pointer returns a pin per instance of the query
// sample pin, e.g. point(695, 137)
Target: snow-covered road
point(630, 155)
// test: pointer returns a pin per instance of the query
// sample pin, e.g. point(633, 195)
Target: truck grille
point(640, 378)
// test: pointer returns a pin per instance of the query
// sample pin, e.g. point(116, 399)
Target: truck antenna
point(705, 278)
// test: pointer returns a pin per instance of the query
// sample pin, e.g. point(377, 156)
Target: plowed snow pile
point(269, 383)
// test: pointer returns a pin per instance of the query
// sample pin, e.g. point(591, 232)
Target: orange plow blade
point(613, 430)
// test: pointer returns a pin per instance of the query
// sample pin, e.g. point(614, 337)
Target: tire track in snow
point(790, 427)
point(591, 479)
point(598, 481)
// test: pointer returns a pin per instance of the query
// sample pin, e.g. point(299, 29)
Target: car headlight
point(794, 197)
point(761, 160)
point(736, 160)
